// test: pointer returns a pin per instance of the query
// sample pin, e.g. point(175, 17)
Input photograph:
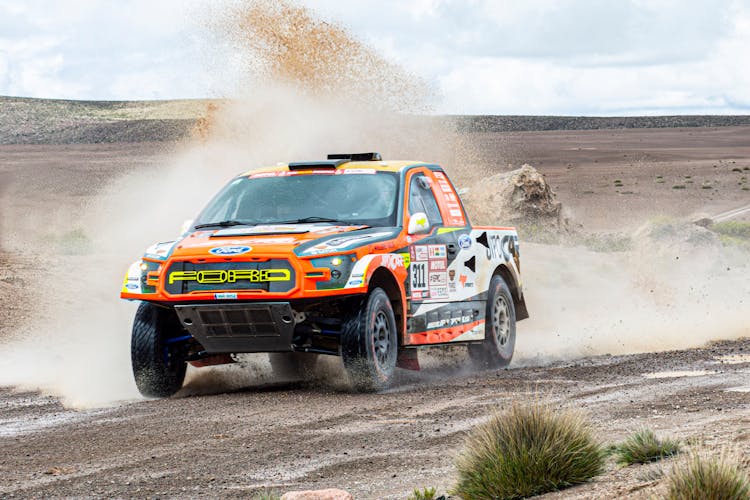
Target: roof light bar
point(356, 156)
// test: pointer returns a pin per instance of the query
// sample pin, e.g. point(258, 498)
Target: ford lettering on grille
point(275, 275)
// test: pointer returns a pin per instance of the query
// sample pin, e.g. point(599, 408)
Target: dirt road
point(231, 434)
point(288, 436)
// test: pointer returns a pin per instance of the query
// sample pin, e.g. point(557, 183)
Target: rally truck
point(351, 256)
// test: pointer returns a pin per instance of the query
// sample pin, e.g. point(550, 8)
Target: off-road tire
point(158, 370)
point(292, 365)
point(369, 343)
point(500, 329)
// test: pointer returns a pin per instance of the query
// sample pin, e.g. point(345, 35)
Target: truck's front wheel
point(158, 368)
point(369, 343)
point(500, 328)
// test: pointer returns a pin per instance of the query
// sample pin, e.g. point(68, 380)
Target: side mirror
point(186, 226)
point(418, 224)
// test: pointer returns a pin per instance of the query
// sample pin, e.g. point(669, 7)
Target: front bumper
point(235, 328)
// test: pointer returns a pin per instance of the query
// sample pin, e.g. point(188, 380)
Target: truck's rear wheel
point(500, 328)
point(158, 367)
point(369, 343)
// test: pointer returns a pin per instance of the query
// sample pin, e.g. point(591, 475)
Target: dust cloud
point(308, 88)
point(663, 294)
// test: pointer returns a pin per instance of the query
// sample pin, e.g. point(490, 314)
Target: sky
point(544, 57)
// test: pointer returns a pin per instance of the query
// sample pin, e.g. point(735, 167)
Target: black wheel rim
point(381, 334)
point(501, 321)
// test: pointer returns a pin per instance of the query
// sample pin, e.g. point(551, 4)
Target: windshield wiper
point(315, 218)
point(225, 223)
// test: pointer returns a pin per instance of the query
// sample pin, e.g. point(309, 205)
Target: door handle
point(452, 250)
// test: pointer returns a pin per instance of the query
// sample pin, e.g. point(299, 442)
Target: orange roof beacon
point(351, 256)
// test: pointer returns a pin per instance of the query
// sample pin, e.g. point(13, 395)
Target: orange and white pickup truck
point(351, 256)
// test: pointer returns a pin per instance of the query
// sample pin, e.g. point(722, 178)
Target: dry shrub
point(643, 447)
point(527, 450)
point(702, 477)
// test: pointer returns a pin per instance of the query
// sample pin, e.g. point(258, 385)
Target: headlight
point(340, 266)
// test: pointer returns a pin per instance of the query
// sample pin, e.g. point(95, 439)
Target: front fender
point(365, 268)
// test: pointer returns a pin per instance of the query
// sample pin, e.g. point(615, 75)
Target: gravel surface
point(224, 438)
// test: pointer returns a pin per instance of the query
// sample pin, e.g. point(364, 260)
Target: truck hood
point(300, 239)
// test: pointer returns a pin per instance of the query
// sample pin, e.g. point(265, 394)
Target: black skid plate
point(236, 328)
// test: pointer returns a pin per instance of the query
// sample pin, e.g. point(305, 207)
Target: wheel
point(368, 343)
point(500, 328)
point(292, 365)
point(158, 367)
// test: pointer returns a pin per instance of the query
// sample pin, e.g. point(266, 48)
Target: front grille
point(274, 275)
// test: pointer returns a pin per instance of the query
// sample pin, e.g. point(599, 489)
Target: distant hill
point(56, 121)
point(510, 123)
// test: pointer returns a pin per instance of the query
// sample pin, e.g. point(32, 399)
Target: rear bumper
point(235, 328)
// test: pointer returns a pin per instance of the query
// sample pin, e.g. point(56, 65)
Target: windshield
point(350, 198)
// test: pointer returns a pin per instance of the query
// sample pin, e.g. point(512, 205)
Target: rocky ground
point(283, 437)
point(234, 432)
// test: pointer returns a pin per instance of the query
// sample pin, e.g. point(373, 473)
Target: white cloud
point(574, 57)
point(535, 56)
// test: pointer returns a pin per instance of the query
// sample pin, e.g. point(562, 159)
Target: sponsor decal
point(427, 270)
point(160, 251)
point(406, 256)
point(438, 265)
point(465, 281)
point(225, 296)
point(464, 241)
point(355, 282)
point(229, 250)
point(438, 279)
point(219, 276)
point(392, 261)
point(132, 286)
point(366, 171)
point(420, 252)
point(436, 251)
point(448, 322)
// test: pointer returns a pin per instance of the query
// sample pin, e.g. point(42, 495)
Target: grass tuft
point(525, 451)
point(643, 447)
point(714, 478)
point(423, 494)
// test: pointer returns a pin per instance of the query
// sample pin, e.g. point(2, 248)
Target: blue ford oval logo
point(464, 241)
point(229, 250)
